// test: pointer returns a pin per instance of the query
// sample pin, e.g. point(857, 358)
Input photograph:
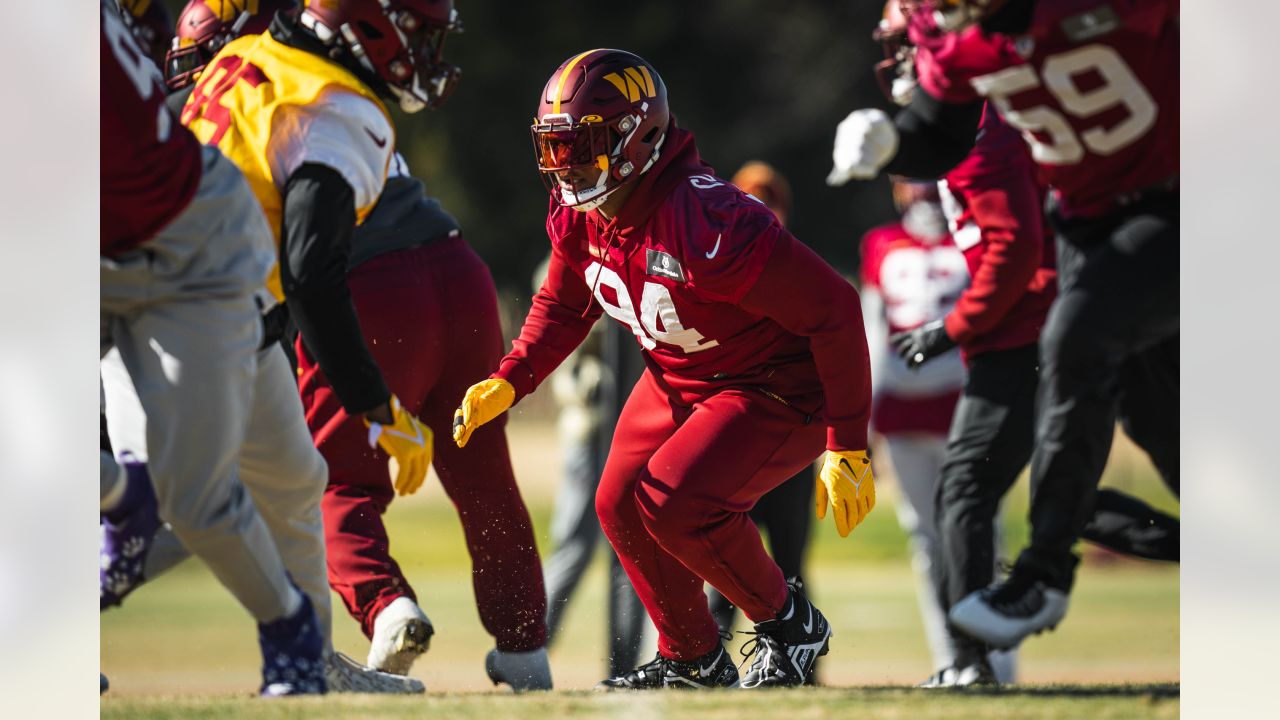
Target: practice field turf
point(1067, 702)
point(182, 648)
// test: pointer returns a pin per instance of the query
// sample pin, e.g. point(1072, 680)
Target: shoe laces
point(761, 647)
point(657, 666)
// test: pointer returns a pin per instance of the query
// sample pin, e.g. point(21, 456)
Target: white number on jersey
point(921, 284)
point(141, 71)
point(144, 73)
point(657, 319)
point(1059, 72)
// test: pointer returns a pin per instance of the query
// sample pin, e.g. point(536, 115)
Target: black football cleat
point(1005, 613)
point(713, 670)
point(783, 652)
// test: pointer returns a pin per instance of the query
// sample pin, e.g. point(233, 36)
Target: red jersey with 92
point(151, 165)
point(1092, 86)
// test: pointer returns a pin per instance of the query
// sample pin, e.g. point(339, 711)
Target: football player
point(912, 274)
point(300, 110)
point(408, 267)
point(756, 360)
point(184, 248)
point(1093, 90)
point(151, 25)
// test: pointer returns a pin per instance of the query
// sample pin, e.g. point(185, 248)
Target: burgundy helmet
point(896, 74)
point(206, 25)
point(400, 42)
point(150, 24)
point(602, 109)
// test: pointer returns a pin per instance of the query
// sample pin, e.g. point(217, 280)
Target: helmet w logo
point(633, 82)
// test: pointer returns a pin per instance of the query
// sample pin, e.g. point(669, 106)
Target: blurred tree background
point(754, 79)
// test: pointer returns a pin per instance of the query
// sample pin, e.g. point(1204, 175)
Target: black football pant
point(990, 442)
point(1109, 344)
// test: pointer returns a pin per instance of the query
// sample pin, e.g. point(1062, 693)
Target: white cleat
point(521, 670)
point(401, 633)
point(345, 675)
point(1004, 614)
point(975, 674)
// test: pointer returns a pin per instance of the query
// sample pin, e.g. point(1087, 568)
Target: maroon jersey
point(994, 206)
point(716, 292)
point(1093, 86)
point(151, 165)
point(918, 281)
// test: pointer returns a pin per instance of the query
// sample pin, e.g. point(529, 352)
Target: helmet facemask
point(896, 74)
point(412, 72)
point(430, 81)
point(595, 147)
point(188, 58)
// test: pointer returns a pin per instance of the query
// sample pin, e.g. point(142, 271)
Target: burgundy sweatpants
point(430, 318)
point(674, 498)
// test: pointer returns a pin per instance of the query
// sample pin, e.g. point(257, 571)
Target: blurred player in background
point(1094, 90)
point(150, 24)
point(184, 248)
point(408, 271)
point(756, 360)
point(783, 513)
point(912, 275)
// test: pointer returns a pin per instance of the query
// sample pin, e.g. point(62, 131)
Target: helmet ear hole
point(370, 31)
point(648, 137)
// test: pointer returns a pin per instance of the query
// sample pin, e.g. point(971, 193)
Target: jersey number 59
point(1058, 75)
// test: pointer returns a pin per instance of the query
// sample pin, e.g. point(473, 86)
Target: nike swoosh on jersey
point(380, 142)
point(715, 249)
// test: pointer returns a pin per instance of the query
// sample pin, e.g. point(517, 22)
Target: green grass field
point(182, 648)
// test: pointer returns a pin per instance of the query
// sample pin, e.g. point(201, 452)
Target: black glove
point(917, 345)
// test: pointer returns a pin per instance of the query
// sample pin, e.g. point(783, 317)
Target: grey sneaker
point(345, 675)
point(521, 670)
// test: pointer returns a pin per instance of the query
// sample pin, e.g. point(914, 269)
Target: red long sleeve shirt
point(716, 292)
point(995, 207)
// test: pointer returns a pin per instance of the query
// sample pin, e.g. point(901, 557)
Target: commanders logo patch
point(1090, 24)
point(662, 264)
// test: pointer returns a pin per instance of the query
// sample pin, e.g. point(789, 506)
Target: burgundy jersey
point(994, 207)
point(918, 281)
point(1092, 86)
point(151, 165)
point(715, 291)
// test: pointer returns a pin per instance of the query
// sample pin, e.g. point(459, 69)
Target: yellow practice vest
point(236, 98)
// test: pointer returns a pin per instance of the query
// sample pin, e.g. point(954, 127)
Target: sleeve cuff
point(518, 374)
point(958, 328)
point(847, 436)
